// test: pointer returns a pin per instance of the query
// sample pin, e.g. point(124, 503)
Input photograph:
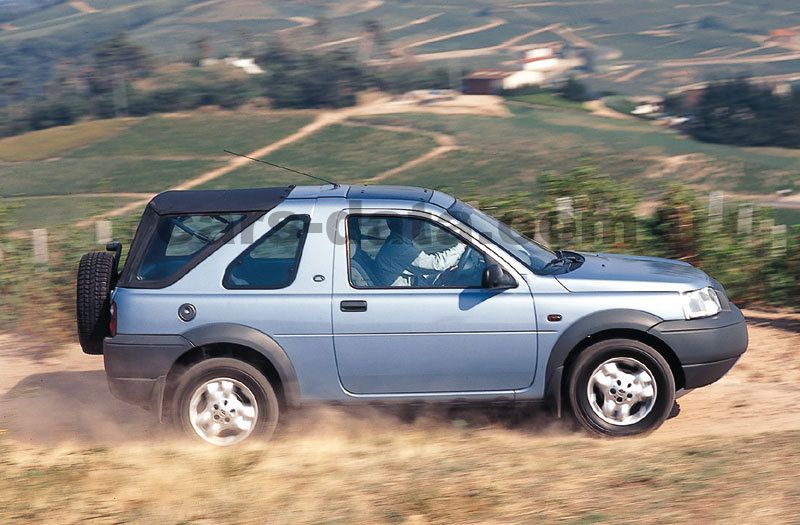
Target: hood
point(607, 272)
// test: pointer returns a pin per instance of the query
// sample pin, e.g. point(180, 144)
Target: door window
point(409, 252)
point(272, 261)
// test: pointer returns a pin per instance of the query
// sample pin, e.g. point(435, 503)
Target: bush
point(604, 218)
point(53, 113)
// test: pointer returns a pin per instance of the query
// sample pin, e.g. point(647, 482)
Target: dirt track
point(71, 453)
point(65, 398)
point(460, 105)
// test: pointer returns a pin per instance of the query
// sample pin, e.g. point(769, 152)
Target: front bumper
point(706, 348)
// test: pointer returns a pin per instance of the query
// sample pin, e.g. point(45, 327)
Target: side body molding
point(259, 341)
point(607, 320)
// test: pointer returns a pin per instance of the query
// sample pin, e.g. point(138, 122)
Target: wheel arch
point(601, 326)
point(239, 342)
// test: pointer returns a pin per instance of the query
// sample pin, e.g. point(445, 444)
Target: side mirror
point(495, 278)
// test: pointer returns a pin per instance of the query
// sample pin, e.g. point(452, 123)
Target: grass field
point(509, 153)
point(105, 175)
point(42, 212)
point(341, 153)
point(494, 155)
point(122, 156)
point(47, 143)
point(198, 134)
point(546, 99)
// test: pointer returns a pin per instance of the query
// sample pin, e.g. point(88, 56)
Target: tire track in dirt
point(464, 53)
point(688, 62)
point(323, 120)
point(347, 40)
point(469, 31)
point(487, 105)
point(301, 21)
point(445, 144)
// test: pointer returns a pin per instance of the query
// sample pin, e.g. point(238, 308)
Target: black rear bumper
point(137, 366)
point(145, 393)
point(707, 348)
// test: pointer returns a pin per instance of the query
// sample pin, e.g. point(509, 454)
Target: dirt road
point(72, 453)
point(65, 398)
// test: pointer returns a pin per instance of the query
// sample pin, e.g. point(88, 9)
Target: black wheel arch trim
point(580, 330)
point(231, 333)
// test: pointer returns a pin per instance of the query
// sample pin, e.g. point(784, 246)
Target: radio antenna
point(326, 181)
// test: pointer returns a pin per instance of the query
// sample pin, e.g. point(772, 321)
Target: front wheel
point(621, 387)
point(223, 402)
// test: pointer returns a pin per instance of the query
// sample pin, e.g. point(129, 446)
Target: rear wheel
point(621, 387)
point(224, 402)
point(96, 278)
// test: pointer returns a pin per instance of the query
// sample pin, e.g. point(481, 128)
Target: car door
point(417, 332)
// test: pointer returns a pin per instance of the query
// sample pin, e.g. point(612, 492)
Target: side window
point(409, 252)
point(179, 238)
point(271, 262)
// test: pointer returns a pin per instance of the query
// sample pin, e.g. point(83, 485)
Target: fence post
point(779, 234)
point(716, 206)
point(103, 232)
point(598, 232)
point(41, 255)
point(541, 235)
point(566, 210)
point(745, 223)
point(620, 234)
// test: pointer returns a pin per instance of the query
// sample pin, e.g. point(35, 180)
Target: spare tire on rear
point(96, 278)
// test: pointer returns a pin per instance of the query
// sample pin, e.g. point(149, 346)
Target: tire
point(598, 392)
point(96, 278)
point(215, 396)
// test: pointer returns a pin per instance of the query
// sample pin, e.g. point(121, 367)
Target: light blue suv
point(235, 305)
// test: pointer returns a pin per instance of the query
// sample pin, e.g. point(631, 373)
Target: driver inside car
point(400, 263)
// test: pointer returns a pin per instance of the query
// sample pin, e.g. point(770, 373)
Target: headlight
point(700, 303)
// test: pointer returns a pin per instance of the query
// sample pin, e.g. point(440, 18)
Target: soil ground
point(71, 452)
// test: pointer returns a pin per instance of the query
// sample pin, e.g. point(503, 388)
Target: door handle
point(353, 306)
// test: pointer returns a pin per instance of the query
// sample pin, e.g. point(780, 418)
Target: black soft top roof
point(218, 201)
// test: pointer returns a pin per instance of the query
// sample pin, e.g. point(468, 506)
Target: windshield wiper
point(562, 257)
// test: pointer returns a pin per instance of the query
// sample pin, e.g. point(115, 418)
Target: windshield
point(530, 253)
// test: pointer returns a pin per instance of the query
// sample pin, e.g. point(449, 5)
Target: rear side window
point(177, 239)
point(272, 261)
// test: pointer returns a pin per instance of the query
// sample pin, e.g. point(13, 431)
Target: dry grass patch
point(432, 473)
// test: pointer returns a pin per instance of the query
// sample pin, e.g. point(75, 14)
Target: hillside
point(634, 47)
point(70, 173)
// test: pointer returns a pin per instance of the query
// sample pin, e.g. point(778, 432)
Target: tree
point(742, 113)
point(308, 80)
point(120, 52)
point(202, 49)
point(115, 62)
point(575, 90)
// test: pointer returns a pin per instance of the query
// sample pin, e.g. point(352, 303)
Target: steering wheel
point(465, 262)
point(466, 258)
